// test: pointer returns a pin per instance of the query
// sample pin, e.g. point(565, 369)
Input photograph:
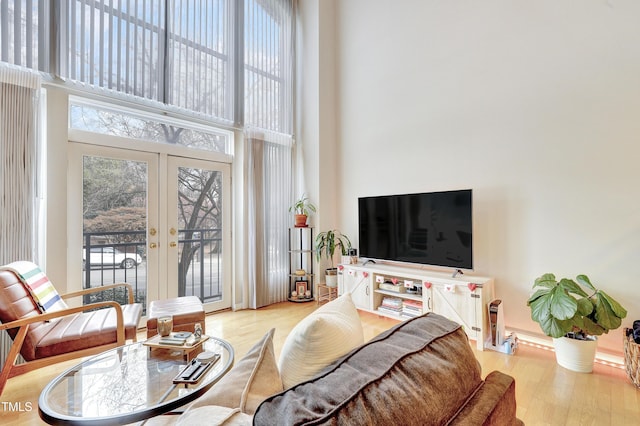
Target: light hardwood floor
point(546, 393)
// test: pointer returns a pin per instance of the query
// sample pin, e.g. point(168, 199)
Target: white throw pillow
point(319, 339)
point(250, 381)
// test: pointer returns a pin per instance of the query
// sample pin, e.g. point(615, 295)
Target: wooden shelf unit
point(301, 257)
point(462, 299)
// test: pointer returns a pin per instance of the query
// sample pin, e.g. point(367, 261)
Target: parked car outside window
point(110, 256)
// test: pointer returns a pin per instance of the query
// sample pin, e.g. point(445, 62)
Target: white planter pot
point(332, 280)
point(576, 355)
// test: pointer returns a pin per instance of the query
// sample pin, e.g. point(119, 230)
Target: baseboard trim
point(613, 360)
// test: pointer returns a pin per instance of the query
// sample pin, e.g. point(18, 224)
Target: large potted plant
point(326, 244)
point(302, 207)
point(574, 317)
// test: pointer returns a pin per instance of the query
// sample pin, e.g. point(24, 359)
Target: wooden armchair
point(47, 338)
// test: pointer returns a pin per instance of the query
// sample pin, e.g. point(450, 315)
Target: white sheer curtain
point(268, 195)
point(20, 191)
point(19, 156)
point(268, 118)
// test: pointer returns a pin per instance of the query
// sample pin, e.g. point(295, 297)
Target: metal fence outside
point(120, 256)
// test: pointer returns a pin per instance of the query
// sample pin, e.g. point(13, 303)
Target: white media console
point(389, 290)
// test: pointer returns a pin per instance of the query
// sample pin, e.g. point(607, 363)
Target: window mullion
point(237, 64)
point(163, 59)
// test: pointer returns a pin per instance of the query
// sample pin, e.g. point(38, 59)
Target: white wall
point(56, 216)
point(316, 131)
point(534, 105)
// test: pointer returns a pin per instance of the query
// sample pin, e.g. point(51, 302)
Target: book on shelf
point(411, 309)
point(174, 341)
point(393, 302)
point(391, 311)
point(412, 303)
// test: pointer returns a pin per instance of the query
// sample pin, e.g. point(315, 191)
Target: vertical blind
point(24, 33)
point(199, 54)
point(268, 114)
point(114, 45)
point(268, 67)
point(20, 203)
point(178, 52)
point(268, 193)
point(19, 173)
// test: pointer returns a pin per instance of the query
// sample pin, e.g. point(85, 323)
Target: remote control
point(186, 373)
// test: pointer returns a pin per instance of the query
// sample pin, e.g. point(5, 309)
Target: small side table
point(188, 351)
point(326, 293)
point(186, 312)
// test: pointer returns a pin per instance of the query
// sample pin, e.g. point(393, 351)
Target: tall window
point(199, 56)
point(177, 52)
point(117, 45)
point(268, 79)
point(268, 112)
point(184, 53)
point(228, 60)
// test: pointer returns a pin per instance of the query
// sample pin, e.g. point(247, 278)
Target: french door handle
point(153, 245)
point(172, 244)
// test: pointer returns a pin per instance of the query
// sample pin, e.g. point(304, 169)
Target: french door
point(159, 222)
point(199, 230)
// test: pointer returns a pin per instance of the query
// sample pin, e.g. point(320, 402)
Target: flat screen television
point(433, 228)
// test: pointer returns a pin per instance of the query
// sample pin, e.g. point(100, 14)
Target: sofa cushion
point(493, 404)
point(76, 332)
point(421, 369)
point(319, 339)
point(250, 381)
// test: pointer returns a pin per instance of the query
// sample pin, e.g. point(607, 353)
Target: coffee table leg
point(166, 394)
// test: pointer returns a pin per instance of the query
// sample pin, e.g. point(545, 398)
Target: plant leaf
point(605, 316)
point(539, 293)
point(562, 306)
point(572, 287)
point(540, 309)
point(588, 326)
point(585, 281)
point(553, 327)
point(585, 307)
point(614, 305)
point(546, 280)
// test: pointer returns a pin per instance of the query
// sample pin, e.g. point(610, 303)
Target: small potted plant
point(326, 244)
point(302, 207)
point(573, 317)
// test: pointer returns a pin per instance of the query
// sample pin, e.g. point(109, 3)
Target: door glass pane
point(114, 226)
point(200, 233)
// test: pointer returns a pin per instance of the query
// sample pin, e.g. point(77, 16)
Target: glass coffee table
point(127, 384)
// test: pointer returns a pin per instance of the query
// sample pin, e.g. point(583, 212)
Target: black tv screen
point(432, 228)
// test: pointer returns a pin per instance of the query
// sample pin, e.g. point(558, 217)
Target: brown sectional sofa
point(420, 372)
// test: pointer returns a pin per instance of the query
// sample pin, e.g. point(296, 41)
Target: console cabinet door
point(427, 297)
point(359, 284)
point(459, 304)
